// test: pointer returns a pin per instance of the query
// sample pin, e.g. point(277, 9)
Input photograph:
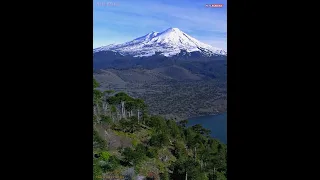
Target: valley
point(178, 76)
point(174, 95)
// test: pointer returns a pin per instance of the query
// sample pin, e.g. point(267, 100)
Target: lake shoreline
point(214, 114)
point(183, 117)
point(217, 124)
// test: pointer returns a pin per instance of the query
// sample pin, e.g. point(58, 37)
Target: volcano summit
point(167, 43)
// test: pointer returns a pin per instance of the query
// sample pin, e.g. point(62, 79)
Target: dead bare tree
point(123, 110)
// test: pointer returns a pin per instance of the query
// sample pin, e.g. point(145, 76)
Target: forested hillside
point(129, 143)
point(183, 89)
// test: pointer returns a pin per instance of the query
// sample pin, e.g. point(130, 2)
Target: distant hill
point(177, 73)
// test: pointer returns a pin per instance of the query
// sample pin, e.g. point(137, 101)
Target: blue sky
point(130, 19)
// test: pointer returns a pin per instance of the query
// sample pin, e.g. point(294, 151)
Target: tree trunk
point(105, 107)
point(122, 108)
point(123, 111)
point(186, 175)
point(138, 115)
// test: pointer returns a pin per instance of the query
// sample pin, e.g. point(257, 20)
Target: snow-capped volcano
point(169, 42)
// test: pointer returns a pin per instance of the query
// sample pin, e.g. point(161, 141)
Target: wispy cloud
point(131, 19)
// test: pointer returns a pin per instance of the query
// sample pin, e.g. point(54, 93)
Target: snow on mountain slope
point(169, 42)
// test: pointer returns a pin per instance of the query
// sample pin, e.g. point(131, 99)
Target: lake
point(216, 123)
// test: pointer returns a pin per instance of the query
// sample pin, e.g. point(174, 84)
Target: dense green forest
point(128, 143)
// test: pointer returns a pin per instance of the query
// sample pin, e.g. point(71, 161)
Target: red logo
point(214, 5)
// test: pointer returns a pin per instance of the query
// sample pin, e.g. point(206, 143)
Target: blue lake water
point(216, 123)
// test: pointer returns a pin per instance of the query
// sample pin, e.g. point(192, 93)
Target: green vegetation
point(105, 155)
point(98, 142)
point(173, 91)
point(129, 142)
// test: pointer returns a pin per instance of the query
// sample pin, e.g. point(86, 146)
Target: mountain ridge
point(167, 43)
